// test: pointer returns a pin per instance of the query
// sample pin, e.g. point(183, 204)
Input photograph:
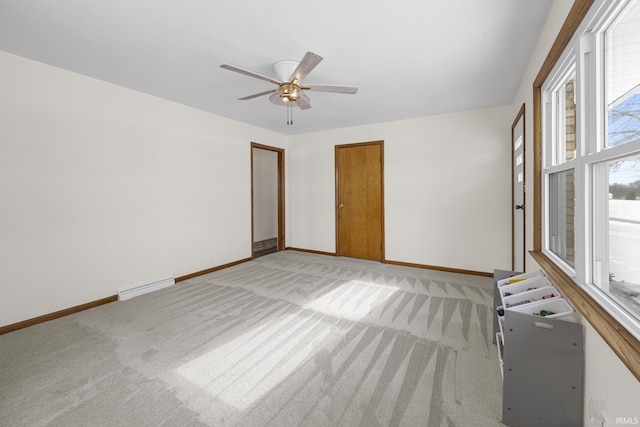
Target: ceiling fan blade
point(335, 89)
point(308, 63)
point(255, 95)
point(303, 103)
point(250, 73)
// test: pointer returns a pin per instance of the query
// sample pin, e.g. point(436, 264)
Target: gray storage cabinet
point(543, 363)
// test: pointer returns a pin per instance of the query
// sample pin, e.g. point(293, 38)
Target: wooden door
point(359, 201)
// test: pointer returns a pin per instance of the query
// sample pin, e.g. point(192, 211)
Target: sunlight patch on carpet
point(354, 300)
point(244, 370)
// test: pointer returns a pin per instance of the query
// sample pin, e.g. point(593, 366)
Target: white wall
point(105, 188)
point(447, 188)
point(265, 194)
point(607, 379)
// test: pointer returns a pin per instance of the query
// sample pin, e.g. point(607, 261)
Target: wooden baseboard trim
point(57, 314)
point(211, 270)
point(435, 267)
point(310, 251)
point(113, 298)
point(405, 264)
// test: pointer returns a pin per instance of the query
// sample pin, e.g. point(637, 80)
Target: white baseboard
point(125, 294)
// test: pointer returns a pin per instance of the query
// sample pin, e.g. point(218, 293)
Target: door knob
point(520, 206)
point(341, 205)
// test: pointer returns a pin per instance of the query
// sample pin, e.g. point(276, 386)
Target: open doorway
point(267, 199)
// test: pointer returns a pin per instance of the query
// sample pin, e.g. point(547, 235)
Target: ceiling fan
point(290, 90)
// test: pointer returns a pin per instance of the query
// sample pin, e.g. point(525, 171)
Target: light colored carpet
point(289, 339)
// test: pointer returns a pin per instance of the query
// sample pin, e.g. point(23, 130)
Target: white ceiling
point(409, 58)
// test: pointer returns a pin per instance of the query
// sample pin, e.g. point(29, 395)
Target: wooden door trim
point(281, 198)
point(382, 230)
point(519, 116)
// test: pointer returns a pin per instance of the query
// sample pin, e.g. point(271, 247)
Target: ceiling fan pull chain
point(289, 108)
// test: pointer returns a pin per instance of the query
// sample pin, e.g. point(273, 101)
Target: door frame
point(520, 115)
point(337, 201)
point(280, 201)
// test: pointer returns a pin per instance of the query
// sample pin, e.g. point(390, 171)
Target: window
point(561, 215)
point(623, 223)
point(591, 159)
point(564, 106)
point(622, 75)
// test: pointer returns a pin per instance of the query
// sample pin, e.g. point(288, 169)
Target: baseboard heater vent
point(126, 294)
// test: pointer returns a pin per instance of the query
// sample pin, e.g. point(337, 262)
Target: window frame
point(600, 311)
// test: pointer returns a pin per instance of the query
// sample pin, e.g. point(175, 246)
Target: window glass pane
point(569, 112)
point(561, 215)
point(624, 233)
point(565, 121)
point(622, 53)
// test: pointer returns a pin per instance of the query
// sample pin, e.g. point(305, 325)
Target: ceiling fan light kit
point(290, 90)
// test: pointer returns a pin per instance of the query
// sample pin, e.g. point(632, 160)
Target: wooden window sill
point(621, 341)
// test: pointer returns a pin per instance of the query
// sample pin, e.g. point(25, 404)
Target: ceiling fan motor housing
point(284, 69)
